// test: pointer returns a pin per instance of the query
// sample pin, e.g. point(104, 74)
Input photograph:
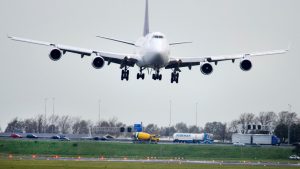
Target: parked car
point(64, 138)
point(14, 135)
point(294, 157)
point(57, 137)
point(31, 136)
point(238, 144)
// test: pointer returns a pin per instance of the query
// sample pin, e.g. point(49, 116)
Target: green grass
point(30, 164)
point(113, 150)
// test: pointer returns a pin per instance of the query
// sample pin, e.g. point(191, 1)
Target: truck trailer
point(261, 139)
point(204, 138)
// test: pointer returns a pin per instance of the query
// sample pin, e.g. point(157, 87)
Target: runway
point(151, 160)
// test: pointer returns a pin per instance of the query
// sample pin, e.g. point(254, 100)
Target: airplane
point(152, 52)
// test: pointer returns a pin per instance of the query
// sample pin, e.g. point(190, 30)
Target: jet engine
point(55, 54)
point(206, 69)
point(98, 62)
point(246, 65)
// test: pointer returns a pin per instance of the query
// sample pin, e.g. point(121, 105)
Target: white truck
point(192, 138)
point(262, 139)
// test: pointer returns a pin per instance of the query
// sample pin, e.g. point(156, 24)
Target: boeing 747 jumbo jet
point(152, 52)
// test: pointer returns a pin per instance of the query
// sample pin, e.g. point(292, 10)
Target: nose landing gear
point(156, 76)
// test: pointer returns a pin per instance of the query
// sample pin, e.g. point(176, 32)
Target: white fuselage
point(154, 50)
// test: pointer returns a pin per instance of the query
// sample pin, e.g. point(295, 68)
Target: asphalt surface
point(168, 161)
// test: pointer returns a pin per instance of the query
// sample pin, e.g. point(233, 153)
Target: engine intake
point(246, 65)
point(55, 54)
point(98, 62)
point(206, 69)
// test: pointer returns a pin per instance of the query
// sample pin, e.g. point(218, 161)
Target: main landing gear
point(174, 76)
point(141, 74)
point(125, 74)
point(156, 76)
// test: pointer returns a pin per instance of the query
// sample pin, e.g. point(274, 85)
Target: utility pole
point(289, 125)
point(196, 114)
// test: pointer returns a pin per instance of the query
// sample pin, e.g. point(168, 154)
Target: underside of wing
point(177, 62)
point(101, 56)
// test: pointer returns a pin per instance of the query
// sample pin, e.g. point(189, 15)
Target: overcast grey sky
point(216, 27)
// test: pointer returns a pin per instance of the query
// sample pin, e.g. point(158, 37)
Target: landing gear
point(156, 76)
point(141, 74)
point(125, 74)
point(174, 77)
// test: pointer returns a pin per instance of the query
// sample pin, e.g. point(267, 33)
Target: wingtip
point(9, 37)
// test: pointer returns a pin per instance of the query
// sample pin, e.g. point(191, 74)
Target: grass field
point(139, 151)
point(31, 164)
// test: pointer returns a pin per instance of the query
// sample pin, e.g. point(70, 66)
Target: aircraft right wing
point(118, 58)
point(177, 62)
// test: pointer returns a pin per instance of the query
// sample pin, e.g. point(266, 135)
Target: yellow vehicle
point(142, 137)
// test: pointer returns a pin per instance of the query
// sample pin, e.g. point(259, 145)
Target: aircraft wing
point(177, 62)
point(127, 59)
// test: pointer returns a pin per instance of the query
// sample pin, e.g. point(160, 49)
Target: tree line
point(278, 123)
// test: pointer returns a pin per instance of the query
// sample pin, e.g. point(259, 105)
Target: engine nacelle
point(206, 69)
point(55, 54)
point(246, 65)
point(98, 62)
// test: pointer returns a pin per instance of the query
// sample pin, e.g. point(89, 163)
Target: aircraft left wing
point(177, 62)
point(122, 59)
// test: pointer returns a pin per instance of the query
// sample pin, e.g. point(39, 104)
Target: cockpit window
point(158, 36)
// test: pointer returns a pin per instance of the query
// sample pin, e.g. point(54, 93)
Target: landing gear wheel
point(154, 76)
point(174, 77)
point(160, 77)
point(125, 74)
point(143, 76)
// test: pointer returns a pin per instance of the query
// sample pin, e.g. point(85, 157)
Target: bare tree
point(113, 122)
point(246, 119)
point(31, 126)
point(40, 123)
point(266, 118)
point(234, 126)
point(64, 124)
point(181, 127)
point(152, 128)
point(81, 126)
point(15, 126)
point(194, 129)
point(218, 129)
point(287, 118)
